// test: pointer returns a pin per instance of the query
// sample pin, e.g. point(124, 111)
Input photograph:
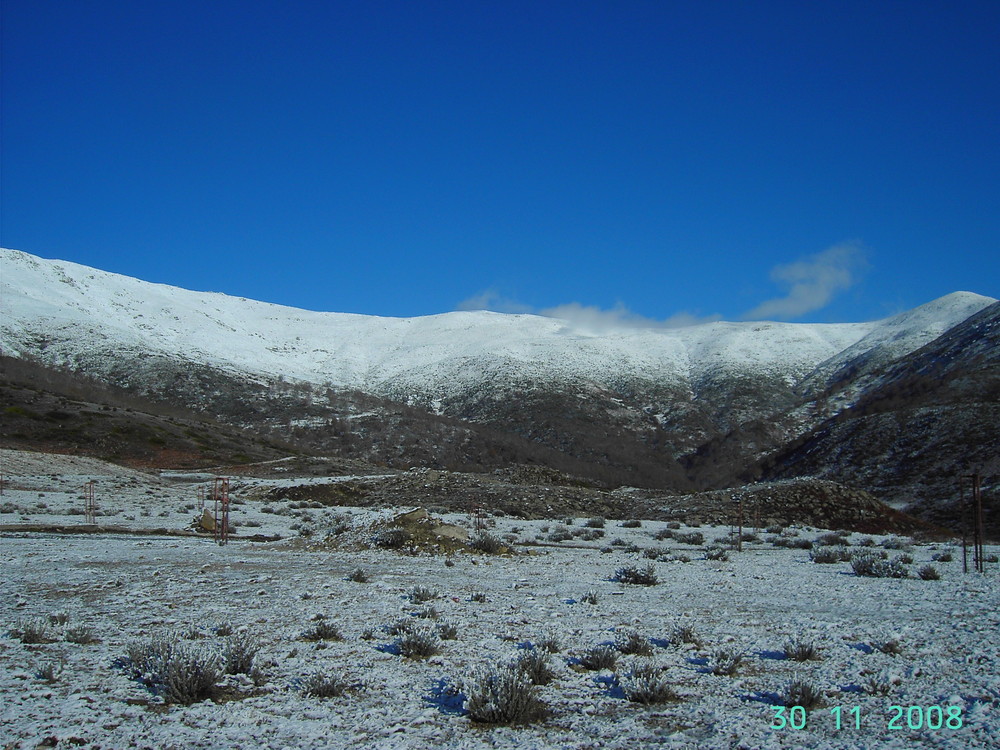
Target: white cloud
point(812, 282)
point(587, 317)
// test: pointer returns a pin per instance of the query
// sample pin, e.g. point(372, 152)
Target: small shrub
point(486, 543)
point(631, 642)
point(895, 542)
point(685, 634)
point(866, 542)
point(831, 539)
point(548, 643)
point(891, 647)
point(430, 612)
point(631, 523)
point(392, 538)
point(716, 553)
point(692, 537)
point(637, 576)
point(991, 558)
point(418, 643)
point(647, 684)
point(589, 598)
point(597, 522)
point(537, 665)
point(560, 534)
point(726, 662)
point(421, 594)
point(358, 576)
point(49, 671)
point(31, 631)
point(801, 650)
point(942, 557)
point(447, 632)
point(322, 631)
point(180, 673)
point(877, 685)
point(224, 629)
point(59, 618)
point(673, 525)
point(828, 555)
point(928, 573)
point(503, 695)
point(478, 596)
point(802, 693)
point(872, 565)
point(240, 652)
point(663, 534)
point(617, 542)
point(599, 657)
point(323, 685)
point(81, 635)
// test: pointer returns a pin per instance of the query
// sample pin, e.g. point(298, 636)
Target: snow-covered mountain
point(702, 406)
point(58, 310)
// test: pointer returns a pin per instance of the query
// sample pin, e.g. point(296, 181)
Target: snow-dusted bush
point(692, 537)
point(49, 671)
point(81, 635)
point(322, 631)
point(872, 565)
point(418, 643)
point(685, 634)
point(597, 522)
point(486, 543)
point(548, 642)
point(891, 647)
point(928, 573)
point(358, 576)
point(599, 657)
point(421, 594)
point(716, 553)
point(945, 556)
point(536, 664)
point(630, 642)
point(799, 650)
point(802, 693)
point(663, 534)
point(560, 534)
point(589, 598)
point(503, 695)
point(31, 630)
point(180, 673)
point(895, 542)
point(635, 575)
point(631, 523)
point(239, 653)
point(324, 685)
point(647, 684)
point(830, 539)
point(447, 632)
point(392, 538)
point(478, 596)
point(836, 554)
point(726, 662)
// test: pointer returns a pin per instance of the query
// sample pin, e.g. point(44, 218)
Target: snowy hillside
point(56, 310)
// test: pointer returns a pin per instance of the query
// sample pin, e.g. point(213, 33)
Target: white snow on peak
point(56, 309)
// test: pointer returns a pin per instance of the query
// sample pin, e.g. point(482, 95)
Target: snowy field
point(126, 590)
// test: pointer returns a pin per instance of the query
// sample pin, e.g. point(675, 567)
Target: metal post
point(220, 494)
point(977, 525)
point(89, 503)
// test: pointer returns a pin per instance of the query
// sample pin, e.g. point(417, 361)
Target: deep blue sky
point(408, 158)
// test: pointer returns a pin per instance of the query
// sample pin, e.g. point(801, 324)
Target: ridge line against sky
point(643, 163)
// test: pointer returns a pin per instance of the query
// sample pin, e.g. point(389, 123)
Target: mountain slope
point(648, 407)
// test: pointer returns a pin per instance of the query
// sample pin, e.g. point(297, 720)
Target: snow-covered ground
point(128, 589)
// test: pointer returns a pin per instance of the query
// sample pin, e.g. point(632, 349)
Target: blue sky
point(655, 160)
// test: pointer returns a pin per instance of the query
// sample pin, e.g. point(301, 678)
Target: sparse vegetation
point(801, 650)
point(31, 631)
point(647, 684)
point(589, 598)
point(597, 522)
point(486, 543)
point(599, 657)
point(802, 693)
point(726, 662)
point(391, 538)
point(418, 643)
point(635, 575)
point(322, 631)
point(325, 685)
point(358, 575)
point(874, 566)
point(421, 594)
point(630, 642)
point(503, 695)
point(827, 555)
point(179, 673)
point(240, 652)
point(537, 665)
